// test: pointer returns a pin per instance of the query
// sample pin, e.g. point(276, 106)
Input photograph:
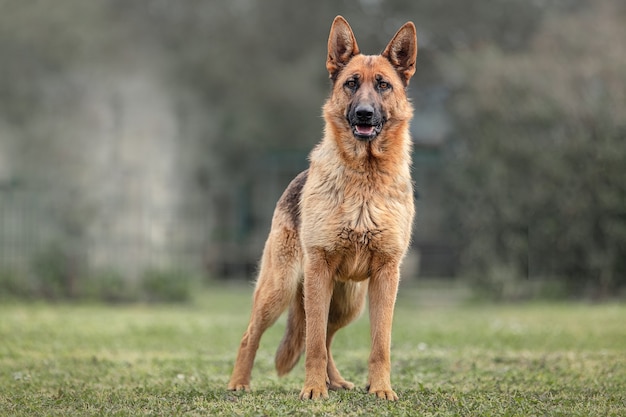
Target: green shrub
point(166, 285)
point(535, 176)
point(52, 275)
point(14, 285)
point(110, 286)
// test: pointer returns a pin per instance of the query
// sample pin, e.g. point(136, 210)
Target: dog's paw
point(385, 393)
point(313, 392)
point(234, 386)
point(337, 384)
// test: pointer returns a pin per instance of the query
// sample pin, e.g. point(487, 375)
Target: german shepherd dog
point(342, 227)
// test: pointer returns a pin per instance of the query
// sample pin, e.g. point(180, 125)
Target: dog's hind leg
point(346, 305)
point(276, 287)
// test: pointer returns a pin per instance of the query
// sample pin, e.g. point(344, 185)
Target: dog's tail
point(292, 345)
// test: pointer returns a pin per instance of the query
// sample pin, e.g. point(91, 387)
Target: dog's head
point(368, 85)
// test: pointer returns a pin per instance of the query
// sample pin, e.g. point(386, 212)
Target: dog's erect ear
point(341, 46)
point(402, 51)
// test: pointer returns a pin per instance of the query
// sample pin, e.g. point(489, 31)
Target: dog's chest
point(356, 222)
point(357, 218)
point(375, 203)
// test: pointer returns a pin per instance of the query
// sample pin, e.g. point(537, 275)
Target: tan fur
point(342, 227)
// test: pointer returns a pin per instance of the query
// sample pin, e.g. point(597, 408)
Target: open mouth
point(366, 132)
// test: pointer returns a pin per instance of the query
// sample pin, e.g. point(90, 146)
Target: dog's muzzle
point(365, 121)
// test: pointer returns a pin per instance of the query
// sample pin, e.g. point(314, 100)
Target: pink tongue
point(365, 129)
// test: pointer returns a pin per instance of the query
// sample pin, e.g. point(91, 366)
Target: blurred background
point(143, 145)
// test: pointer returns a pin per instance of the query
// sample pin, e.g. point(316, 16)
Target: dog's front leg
point(383, 288)
point(318, 289)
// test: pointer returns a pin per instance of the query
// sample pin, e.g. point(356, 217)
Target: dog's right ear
point(341, 46)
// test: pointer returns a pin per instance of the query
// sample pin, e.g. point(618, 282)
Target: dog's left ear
point(342, 46)
point(402, 51)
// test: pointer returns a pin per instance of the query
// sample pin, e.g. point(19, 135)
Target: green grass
point(563, 359)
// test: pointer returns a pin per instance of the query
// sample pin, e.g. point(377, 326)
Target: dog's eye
point(351, 84)
point(383, 85)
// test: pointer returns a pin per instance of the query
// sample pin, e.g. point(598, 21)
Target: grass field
point(449, 358)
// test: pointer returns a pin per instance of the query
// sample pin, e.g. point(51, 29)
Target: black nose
point(364, 113)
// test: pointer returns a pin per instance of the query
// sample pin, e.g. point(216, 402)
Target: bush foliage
point(537, 174)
